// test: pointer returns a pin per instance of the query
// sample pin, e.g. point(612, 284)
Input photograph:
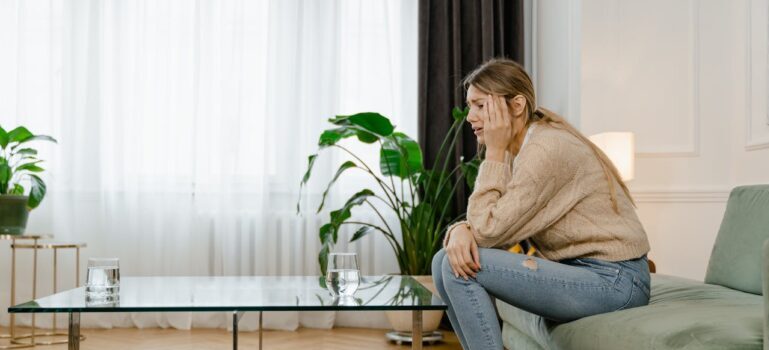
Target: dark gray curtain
point(455, 36)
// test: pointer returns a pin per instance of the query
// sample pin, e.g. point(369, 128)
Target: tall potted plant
point(19, 166)
point(422, 206)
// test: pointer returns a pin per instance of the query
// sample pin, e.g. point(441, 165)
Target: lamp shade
point(620, 148)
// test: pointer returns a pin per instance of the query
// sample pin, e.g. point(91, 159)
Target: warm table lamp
point(620, 148)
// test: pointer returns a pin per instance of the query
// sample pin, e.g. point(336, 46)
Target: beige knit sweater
point(557, 196)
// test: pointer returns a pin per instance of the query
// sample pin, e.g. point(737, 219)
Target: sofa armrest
point(765, 280)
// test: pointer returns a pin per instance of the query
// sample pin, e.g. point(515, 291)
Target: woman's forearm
point(495, 154)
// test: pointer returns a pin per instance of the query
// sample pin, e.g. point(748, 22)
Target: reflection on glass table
point(242, 294)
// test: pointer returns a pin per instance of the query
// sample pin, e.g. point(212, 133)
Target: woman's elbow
point(484, 242)
point(484, 235)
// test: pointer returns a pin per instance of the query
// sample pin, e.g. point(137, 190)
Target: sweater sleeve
point(504, 208)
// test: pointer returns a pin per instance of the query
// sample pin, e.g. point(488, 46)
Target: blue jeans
point(558, 291)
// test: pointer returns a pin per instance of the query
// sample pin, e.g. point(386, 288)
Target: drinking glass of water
point(102, 280)
point(342, 274)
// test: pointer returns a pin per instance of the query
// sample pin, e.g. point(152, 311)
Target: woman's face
point(477, 99)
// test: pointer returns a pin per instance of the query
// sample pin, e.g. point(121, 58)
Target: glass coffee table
point(242, 294)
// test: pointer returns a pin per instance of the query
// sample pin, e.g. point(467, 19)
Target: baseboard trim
point(689, 196)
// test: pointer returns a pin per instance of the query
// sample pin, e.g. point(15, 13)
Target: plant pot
point(13, 214)
point(401, 320)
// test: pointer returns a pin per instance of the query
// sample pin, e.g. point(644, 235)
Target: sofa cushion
point(736, 258)
point(682, 314)
point(512, 338)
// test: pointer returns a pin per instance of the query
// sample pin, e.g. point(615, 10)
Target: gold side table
point(13, 238)
point(26, 340)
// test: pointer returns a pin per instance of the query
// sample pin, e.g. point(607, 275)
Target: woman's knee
point(446, 270)
point(437, 263)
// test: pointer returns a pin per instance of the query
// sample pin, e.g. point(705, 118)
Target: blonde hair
point(507, 78)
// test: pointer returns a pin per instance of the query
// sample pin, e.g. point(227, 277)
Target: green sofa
point(727, 311)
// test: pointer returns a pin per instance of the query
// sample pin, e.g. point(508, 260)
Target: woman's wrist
point(495, 154)
point(451, 228)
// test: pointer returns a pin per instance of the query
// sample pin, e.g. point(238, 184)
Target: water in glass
point(342, 274)
point(102, 280)
point(342, 282)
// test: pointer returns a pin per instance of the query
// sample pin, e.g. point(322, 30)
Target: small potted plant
point(419, 197)
point(21, 189)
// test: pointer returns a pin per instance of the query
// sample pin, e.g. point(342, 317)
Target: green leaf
point(20, 134)
point(338, 217)
point(362, 231)
point(32, 158)
point(366, 137)
point(470, 171)
point(5, 176)
point(460, 114)
point(322, 284)
point(400, 156)
point(17, 189)
point(36, 137)
point(32, 167)
point(436, 187)
point(422, 215)
point(341, 215)
point(359, 198)
point(329, 233)
point(37, 192)
point(370, 121)
point(326, 234)
point(40, 138)
point(326, 240)
point(331, 136)
point(342, 168)
point(323, 259)
point(5, 172)
point(4, 139)
point(310, 163)
point(28, 151)
point(421, 224)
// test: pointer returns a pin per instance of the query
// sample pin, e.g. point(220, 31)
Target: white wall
point(689, 77)
point(555, 66)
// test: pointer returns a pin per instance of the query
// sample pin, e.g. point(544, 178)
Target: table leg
point(77, 267)
point(73, 340)
point(416, 330)
point(236, 316)
point(55, 290)
point(260, 330)
point(11, 336)
point(34, 289)
point(13, 286)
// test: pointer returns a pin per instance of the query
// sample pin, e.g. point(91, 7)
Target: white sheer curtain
point(184, 128)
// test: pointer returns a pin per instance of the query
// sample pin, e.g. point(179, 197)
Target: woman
point(542, 181)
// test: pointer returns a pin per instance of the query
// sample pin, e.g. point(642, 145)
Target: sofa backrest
point(736, 258)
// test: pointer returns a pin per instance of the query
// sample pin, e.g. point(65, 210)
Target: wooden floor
point(306, 339)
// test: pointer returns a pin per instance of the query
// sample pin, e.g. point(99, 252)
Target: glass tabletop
point(245, 293)
point(25, 236)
